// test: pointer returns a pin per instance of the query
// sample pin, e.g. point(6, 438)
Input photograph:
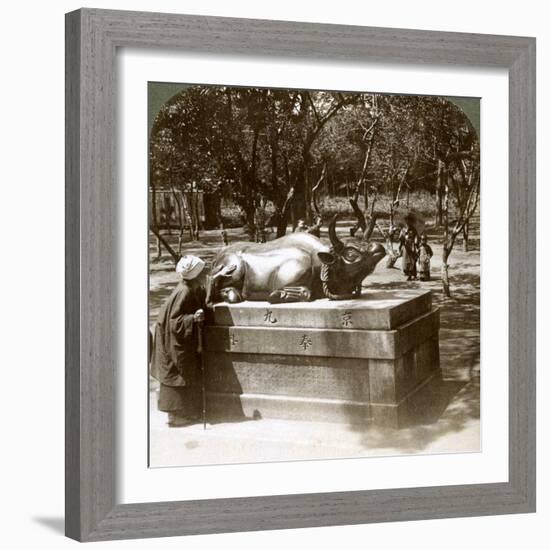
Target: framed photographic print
point(300, 275)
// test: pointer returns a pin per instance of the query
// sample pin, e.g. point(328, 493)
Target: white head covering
point(189, 267)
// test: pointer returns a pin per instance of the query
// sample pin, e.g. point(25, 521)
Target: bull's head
point(347, 264)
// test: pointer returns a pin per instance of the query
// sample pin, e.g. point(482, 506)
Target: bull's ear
point(228, 270)
point(326, 257)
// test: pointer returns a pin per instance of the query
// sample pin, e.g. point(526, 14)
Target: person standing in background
point(407, 251)
point(425, 254)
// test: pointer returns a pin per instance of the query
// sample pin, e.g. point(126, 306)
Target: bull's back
point(291, 260)
point(304, 241)
point(308, 242)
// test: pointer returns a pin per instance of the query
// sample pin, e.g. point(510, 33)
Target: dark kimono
point(175, 361)
point(408, 259)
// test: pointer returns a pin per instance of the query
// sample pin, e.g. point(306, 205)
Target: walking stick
point(203, 381)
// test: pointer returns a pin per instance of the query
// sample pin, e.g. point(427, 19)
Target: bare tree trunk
point(362, 182)
point(161, 239)
point(445, 273)
point(249, 224)
point(445, 184)
point(192, 211)
point(195, 209)
point(154, 221)
point(373, 203)
point(447, 246)
point(465, 236)
point(179, 218)
point(371, 132)
point(187, 209)
point(282, 222)
point(439, 192)
point(315, 189)
point(223, 232)
point(168, 212)
point(370, 228)
point(197, 215)
point(307, 191)
point(361, 222)
point(284, 209)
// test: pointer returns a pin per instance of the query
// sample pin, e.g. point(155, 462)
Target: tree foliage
point(268, 145)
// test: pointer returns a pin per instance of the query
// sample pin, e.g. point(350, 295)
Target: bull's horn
point(336, 243)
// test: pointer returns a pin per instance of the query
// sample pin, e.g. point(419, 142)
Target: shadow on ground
point(452, 407)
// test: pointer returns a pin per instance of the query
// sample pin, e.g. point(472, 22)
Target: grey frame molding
point(92, 38)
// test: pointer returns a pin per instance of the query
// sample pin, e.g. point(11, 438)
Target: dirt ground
point(452, 419)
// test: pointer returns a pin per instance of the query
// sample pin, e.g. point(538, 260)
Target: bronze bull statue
point(295, 268)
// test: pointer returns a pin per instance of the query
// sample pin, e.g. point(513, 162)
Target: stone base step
point(258, 406)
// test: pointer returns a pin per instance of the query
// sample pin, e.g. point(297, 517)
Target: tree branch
point(171, 251)
point(316, 187)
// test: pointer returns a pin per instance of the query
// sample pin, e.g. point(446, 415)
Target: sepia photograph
point(314, 274)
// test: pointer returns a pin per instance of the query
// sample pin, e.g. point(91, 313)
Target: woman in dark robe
point(407, 251)
point(175, 361)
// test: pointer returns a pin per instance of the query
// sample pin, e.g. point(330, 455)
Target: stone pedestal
point(372, 359)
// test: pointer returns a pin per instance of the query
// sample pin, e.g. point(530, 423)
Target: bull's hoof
point(290, 294)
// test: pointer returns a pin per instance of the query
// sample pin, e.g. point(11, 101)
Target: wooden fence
point(170, 205)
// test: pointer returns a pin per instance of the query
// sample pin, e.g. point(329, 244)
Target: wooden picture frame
point(92, 39)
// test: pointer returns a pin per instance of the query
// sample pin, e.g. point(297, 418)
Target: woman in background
point(407, 251)
point(425, 254)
